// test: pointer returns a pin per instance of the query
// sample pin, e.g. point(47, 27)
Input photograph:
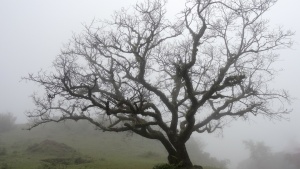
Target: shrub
point(3, 151)
point(51, 166)
point(7, 122)
point(80, 160)
point(165, 166)
point(5, 166)
point(170, 166)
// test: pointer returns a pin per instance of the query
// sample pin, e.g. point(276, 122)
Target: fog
point(32, 33)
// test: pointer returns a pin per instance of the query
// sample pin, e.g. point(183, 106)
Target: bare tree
point(165, 80)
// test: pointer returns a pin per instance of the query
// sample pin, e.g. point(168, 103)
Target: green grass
point(104, 150)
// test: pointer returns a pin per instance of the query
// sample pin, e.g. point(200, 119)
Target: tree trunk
point(181, 157)
point(178, 155)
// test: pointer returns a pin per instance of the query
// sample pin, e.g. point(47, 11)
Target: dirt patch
point(50, 147)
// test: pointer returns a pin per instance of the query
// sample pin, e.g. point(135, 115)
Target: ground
point(76, 146)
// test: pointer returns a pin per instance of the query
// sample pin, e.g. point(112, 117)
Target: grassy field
point(76, 146)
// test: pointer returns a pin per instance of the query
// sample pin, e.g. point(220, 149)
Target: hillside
point(77, 145)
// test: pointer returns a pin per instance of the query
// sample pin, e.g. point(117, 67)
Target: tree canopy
point(166, 79)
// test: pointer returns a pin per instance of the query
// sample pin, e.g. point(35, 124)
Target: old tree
point(164, 80)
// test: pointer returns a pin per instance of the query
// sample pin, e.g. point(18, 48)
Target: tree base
point(193, 167)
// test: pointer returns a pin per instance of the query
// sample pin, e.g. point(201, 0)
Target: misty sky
point(32, 32)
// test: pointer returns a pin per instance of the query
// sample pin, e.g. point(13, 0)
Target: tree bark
point(180, 157)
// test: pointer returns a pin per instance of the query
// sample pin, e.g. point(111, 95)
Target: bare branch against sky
point(33, 32)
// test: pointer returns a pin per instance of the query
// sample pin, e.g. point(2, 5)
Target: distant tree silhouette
point(261, 156)
point(7, 121)
point(163, 79)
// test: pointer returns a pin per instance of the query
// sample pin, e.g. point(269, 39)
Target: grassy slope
point(107, 150)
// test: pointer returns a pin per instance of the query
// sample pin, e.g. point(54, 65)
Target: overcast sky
point(32, 32)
